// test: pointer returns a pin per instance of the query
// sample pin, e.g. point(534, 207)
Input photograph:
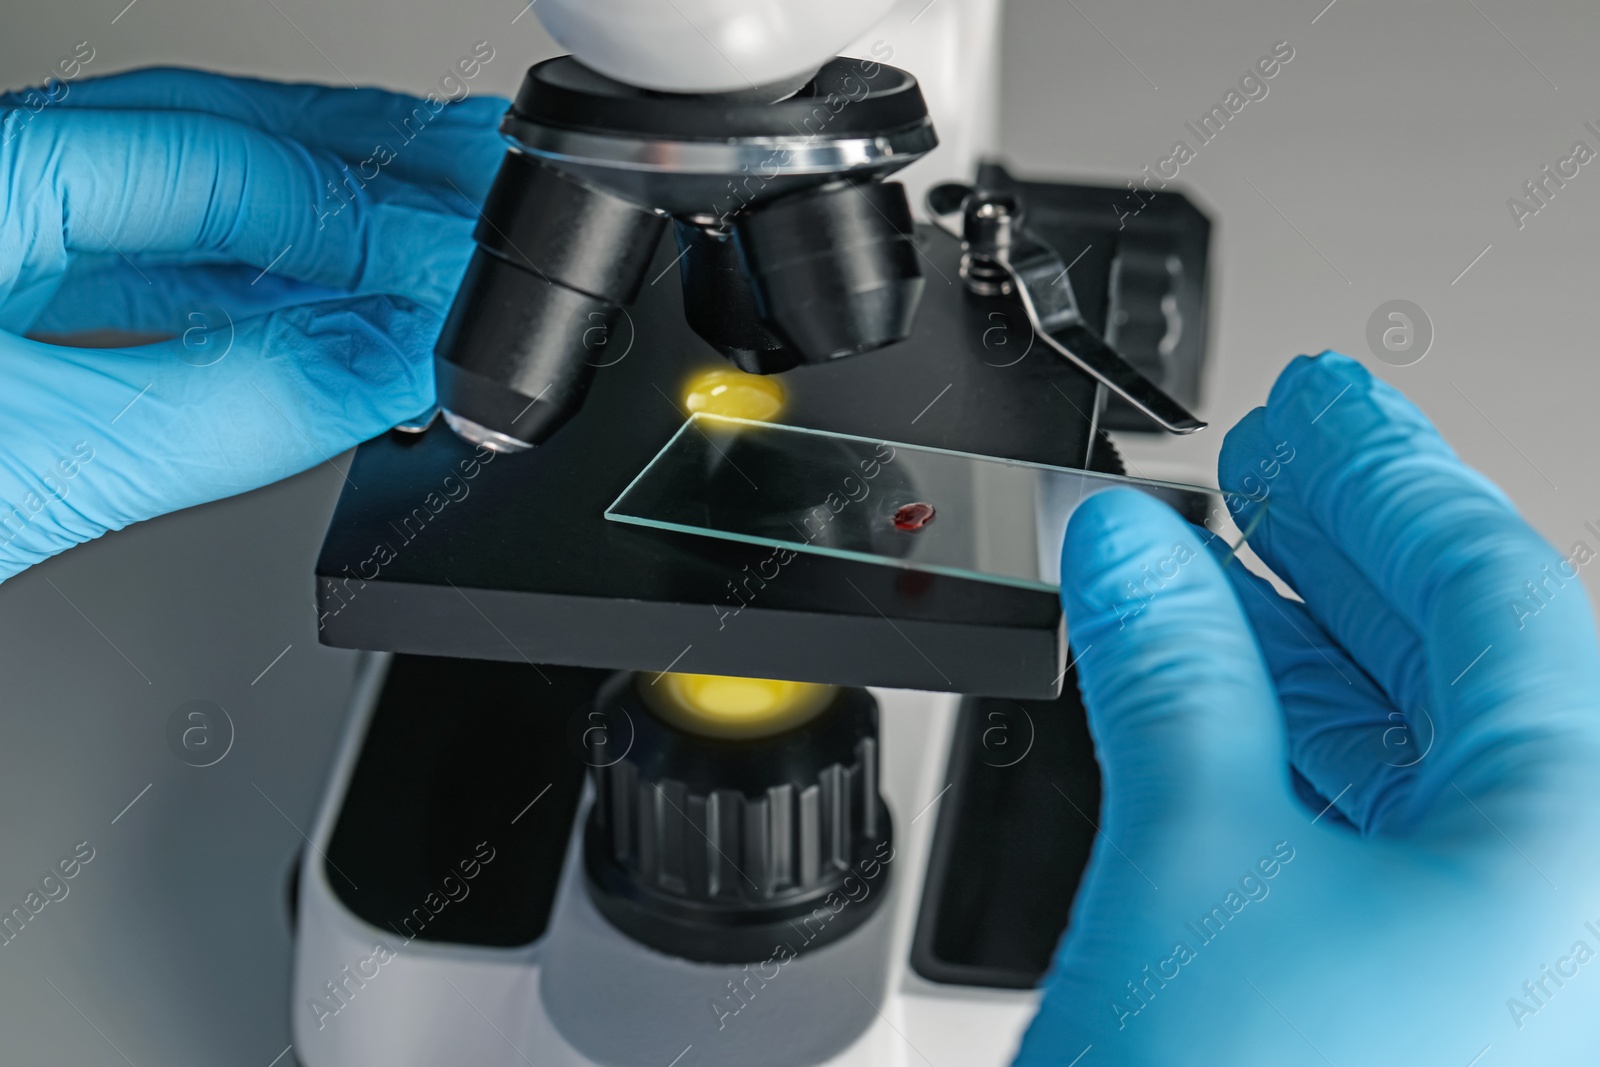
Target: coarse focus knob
point(731, 850)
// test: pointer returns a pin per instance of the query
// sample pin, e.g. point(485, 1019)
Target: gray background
point(1377, 168)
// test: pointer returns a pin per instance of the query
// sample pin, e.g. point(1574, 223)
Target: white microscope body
point(705, 46)
point(583, 993)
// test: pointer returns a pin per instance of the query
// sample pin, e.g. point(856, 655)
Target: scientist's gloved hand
point(298, 244)
point(1439, 690)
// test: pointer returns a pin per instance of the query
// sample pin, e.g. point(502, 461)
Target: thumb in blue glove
point(1426, 910)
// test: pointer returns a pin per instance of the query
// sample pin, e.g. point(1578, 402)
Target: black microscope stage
point(439, 549)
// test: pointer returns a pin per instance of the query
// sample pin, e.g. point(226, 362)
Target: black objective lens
point(833, 269)
point(794, 248)
point(808, 277)
point(555, 261)
point(719, 304)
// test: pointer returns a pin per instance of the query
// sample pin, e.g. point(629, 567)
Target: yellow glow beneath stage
point(721, 706)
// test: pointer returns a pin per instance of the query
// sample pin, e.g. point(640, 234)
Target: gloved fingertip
point(1305, 373)
point(419, 422)
point(1179, 701)
point(369, 358)
point(1244, 463)
point(1110, 537)
point(478, 109)
point(1334, 360)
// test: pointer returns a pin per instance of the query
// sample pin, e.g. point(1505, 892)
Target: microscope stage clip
point(1001, 257)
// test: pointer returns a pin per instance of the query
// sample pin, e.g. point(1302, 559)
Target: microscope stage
point(439, 549)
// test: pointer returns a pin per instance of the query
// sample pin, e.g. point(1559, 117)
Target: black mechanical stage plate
point(434, 551)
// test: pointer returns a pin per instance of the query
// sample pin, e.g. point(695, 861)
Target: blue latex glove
point(299, 244)
point(1447, 904)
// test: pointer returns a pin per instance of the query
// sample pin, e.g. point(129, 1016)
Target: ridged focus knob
point(720, 850)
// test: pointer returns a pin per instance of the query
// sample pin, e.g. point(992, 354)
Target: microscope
point(619, 795)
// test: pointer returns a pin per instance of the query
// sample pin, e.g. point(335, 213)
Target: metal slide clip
point(1001, 257)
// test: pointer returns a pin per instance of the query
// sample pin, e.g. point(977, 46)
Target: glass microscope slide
point(911, 506)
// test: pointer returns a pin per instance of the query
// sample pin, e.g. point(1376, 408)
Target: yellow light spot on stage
point(735, 394)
